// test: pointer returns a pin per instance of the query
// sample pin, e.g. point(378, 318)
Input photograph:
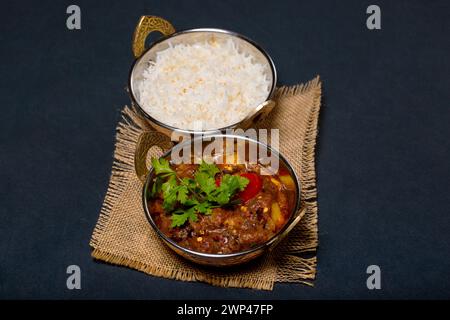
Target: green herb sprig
point(185, 197)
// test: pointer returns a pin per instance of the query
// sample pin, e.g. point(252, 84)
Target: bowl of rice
point(199, 80)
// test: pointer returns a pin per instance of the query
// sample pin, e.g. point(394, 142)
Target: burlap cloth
point(124, 237)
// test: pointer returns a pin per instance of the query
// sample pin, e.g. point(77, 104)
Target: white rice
point(209, 84)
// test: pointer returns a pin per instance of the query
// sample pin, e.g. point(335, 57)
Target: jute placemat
point(124, 237)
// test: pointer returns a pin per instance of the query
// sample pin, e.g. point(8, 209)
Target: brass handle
point(259, 114)
point(296, 220)
point(145, 26)
point(145, 141)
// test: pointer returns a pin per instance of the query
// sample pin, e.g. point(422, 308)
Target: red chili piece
point(253, 187)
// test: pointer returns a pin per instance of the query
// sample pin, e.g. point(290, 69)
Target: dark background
point(383, 148)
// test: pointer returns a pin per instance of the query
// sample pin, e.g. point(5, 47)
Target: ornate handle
point(296, 220)
point(259, 114)
point(145, 26)
point(145, 141)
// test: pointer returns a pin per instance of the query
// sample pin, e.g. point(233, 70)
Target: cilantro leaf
point(206, 183)
point(222, 197)
point(229, 185)
point(185, 197)
point(162, 166)
point(169, 189)
point(180, 219)
point(156, 187)
point(204, 207)
point(210, 168)
point(234, 183)
point(190, 183)
point(182, 194)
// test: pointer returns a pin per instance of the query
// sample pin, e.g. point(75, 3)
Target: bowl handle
point(259, 114)
point(294, 222)
point(145, 141)
point(145, 26)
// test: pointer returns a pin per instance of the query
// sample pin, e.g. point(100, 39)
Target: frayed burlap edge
point(290, 253)
point(290, 261)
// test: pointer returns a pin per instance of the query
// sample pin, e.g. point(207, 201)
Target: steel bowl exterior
point(193, 35)
point(225, 260)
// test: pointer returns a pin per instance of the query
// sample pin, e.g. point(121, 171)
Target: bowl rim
point(214, 30)
point(268, 243)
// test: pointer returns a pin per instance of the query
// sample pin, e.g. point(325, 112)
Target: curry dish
point(219, 209)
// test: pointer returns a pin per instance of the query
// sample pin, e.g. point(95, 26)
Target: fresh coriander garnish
point(185, 198)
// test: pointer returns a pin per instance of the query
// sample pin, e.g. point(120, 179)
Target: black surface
point(383, 156)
